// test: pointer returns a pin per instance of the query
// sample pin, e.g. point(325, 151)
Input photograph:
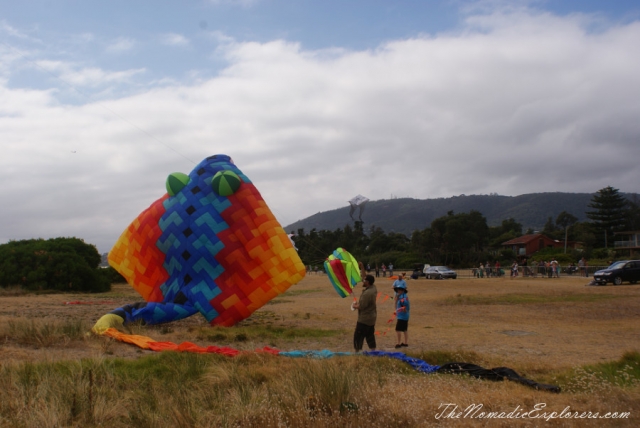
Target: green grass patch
point(624, 372)
point(524, 299)
point(165, 367)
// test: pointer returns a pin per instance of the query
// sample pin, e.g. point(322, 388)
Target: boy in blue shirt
point(402, 313)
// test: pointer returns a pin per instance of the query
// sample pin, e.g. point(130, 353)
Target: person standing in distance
point(367, 313)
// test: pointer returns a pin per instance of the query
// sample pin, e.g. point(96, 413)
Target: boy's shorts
point(402, 325)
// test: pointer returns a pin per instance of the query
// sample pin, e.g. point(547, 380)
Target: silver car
point(440, 272)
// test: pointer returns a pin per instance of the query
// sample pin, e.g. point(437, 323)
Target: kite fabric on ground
point(495, 374)
point(343, 271)
point(210, 245)
point(357, 202)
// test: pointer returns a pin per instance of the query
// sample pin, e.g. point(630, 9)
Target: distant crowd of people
point(377, 269)
point(549, 268)
point(384, 268)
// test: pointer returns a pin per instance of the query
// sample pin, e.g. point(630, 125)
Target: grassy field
point(560, 331)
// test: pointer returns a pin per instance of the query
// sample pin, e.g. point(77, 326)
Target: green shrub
point(63, 264)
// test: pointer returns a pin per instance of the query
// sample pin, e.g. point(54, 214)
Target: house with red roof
point(526, 245)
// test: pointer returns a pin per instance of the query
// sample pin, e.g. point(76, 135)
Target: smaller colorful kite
point(343, 271)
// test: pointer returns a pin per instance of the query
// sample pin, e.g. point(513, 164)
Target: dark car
point(618, 272)
point(417, 271)
point(440, 272)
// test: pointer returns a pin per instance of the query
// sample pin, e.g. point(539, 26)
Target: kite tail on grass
point(325, 353)
point(417, 364)
point(495, 374)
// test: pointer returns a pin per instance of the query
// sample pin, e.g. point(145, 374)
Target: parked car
point(440, 272)
point(618, 272)
point(418, 271)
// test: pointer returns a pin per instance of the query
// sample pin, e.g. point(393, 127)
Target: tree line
point(465, 239)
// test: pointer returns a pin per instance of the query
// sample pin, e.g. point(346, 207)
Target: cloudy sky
point(316, 101)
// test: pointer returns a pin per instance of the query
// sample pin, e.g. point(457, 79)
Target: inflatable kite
point(210, 245)
point(343, 271)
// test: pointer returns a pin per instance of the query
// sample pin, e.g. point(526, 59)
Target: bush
point(603, 254)
point(63, 264)
point(558, 254)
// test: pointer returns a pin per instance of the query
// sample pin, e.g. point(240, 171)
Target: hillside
point(406, 215)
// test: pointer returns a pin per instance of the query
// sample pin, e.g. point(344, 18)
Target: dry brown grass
point(543, 328)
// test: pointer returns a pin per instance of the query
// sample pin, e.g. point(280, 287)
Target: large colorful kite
point(210, 245)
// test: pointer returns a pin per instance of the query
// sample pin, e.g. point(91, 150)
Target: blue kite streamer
point(325, 353)
point(420, 365)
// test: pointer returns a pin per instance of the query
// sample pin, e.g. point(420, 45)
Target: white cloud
point(11, 31)
point(173, 39)
point(514, 103)
point(120, 45)
point(220, 37)
point(86, 76)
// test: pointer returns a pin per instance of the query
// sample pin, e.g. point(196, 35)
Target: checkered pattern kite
point(210, 245)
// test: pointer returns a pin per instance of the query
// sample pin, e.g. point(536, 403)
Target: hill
point(404, 215)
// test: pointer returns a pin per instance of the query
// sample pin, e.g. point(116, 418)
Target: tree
point(459, 235)
point(378, 240)
point(66, 264)
point(609, 212)
point(549, 228)
point(565, 220)
point(508, 230)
